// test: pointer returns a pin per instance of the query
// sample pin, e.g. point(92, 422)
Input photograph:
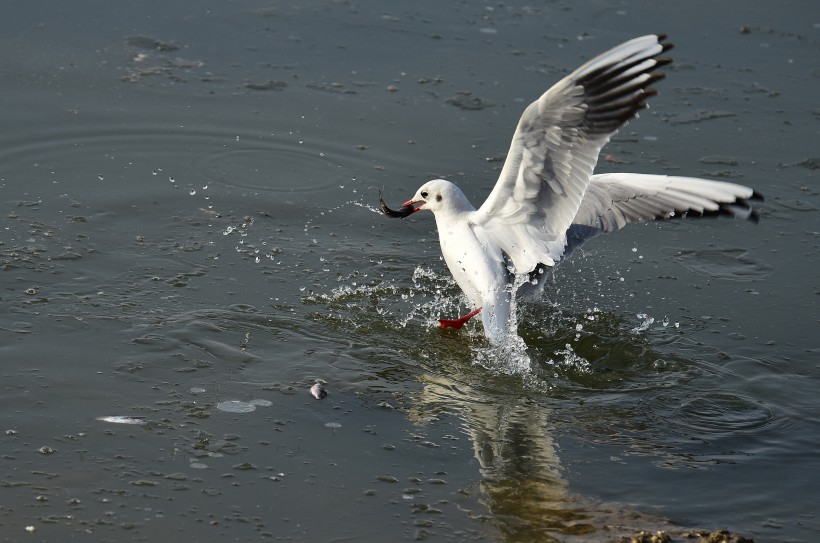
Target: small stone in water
point(318, 391)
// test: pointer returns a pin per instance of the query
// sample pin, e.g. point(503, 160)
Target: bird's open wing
point(556, 146)
point(614, 200)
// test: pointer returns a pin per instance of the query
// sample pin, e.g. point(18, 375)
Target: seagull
point(547, 202)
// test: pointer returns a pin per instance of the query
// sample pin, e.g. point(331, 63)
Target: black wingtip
point(656, 76)
point(666, 45)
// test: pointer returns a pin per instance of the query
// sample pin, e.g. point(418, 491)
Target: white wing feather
point(555, 148)
point(614, 200)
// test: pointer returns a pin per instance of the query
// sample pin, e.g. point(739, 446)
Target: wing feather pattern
point(555, 148)
point(614, 200)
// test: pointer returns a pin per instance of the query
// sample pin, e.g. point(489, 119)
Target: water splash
point(646, 322)
point(572, 360)
point(309, 223)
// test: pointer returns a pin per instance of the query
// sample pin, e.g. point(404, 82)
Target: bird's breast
point(473, 266)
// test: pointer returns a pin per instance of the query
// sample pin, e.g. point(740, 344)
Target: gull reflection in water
point(522, 482)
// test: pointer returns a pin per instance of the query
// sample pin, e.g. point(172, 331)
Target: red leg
point(459, 322)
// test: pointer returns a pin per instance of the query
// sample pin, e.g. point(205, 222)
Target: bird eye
point(424, 194)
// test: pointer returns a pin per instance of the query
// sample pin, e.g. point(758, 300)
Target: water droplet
point(192, 192)
point(100, 177)
point(172, 180)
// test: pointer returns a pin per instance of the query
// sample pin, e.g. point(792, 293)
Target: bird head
point(439, 195)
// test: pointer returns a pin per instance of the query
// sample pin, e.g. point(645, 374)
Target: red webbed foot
point(459, 322)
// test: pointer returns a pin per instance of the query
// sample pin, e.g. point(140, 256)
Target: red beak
point(410, 203)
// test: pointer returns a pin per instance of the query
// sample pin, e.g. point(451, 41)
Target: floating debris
point(717, 159)
point(465, 100)
point(700, 116)
point(318, 391)
point(267, 85)
point(236, 406)
point(122, 420)
point(147, 42)
point(809, 163)
point(330, 87)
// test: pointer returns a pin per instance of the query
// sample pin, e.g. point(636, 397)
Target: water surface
point(189, 241)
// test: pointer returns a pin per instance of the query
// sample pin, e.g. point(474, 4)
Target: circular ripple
point(275, 165)
point(723, 414)
point(132, 159)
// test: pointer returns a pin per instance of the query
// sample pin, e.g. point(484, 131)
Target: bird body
point(547, 201)
point(478, 268)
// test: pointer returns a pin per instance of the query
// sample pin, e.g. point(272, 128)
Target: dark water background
point(187, 227)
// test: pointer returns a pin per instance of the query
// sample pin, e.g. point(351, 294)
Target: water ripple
point(722, 414)
point(732, 264)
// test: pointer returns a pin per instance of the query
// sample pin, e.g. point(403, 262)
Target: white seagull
point(547, 201)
